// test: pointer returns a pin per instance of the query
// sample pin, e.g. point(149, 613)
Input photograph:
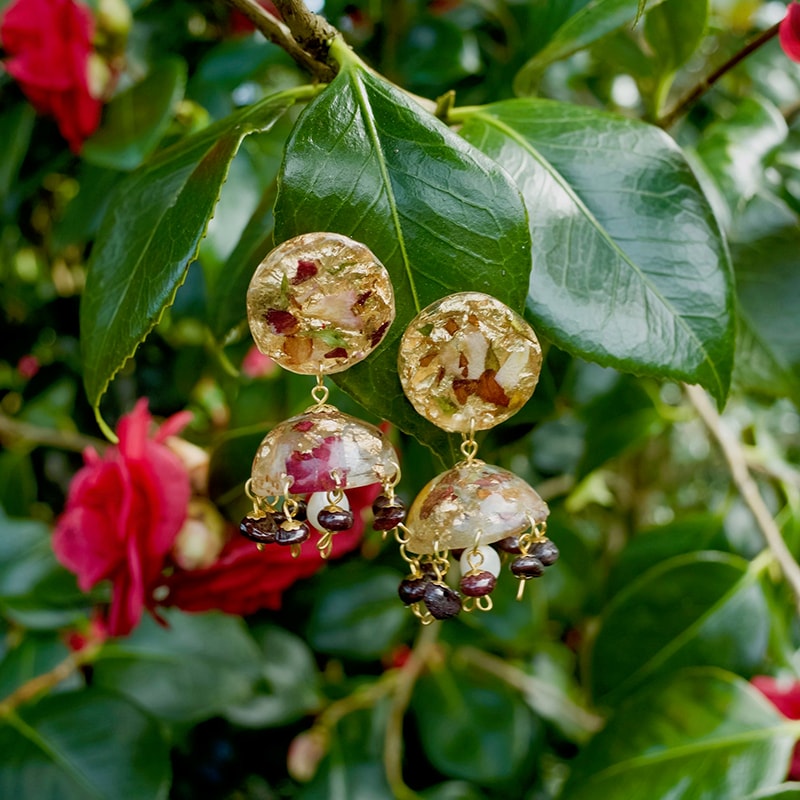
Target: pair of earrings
point(319, 303)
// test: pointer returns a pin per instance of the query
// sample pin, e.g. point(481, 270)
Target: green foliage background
point(644, 258)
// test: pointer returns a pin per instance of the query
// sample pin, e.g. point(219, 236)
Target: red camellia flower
point(123, 513)
point(789, 32)
point(244, 579)
point(48, 44)
point(785, 696)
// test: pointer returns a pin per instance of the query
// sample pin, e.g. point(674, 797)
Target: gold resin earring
point(467, 363)
point(317, 304)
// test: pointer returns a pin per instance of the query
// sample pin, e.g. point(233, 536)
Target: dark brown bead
point(292, 532)
point(389, 517)
point(441, 601)
point(509, 545)
point(261, 529)
point(478, 584)
point(527, 567)
point(412, 590)
point(333, 518)
point(302, 509)
point(546, 552)
point(383, 501)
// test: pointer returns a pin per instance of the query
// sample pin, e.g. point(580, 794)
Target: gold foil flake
point(472, 504)
point(468, 357)
point(319, 451)
point(319, 303)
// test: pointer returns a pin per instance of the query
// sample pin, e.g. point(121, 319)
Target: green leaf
point(734, 152)
point(617, 421)
point(703, 608)
point(654, 545)
point(357, 613)
point(195, 668)
point(768, 285)
point(786, 791)
point(84, 745)
point(35, 590)
point(698, 733)
point(136, 119)
point(590, 24)
point(453, 790)
point(630, 268)
point(228, 309)
point(33, 656)
point(343, 776)
point(288, 687)
point(473, 729)
point(151, 233)
point(674, 30)
point(367, 162)
point(16, 126)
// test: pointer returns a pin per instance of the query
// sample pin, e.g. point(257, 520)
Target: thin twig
point(13, 430)
point(393, 744)
point(43, 683)
point(278, 33)
point(530, 686)
point(692, 96)
point(736, 458)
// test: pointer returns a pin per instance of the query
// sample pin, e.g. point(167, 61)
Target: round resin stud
point(321, 451)
point(468, 356)
point(471, 498)
point(319, 303)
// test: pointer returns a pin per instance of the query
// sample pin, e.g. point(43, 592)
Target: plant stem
point(530, 686)
point(312, 33)
point(279, 33)
point(43, 683)
point(693, 95)
point(736, 458)
point(12, 430)
point(393, 744)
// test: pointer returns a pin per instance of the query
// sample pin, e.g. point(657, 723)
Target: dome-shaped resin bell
point(321, 450)
point(473, 503)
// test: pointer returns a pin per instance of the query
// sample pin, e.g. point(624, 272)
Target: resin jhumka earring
point(467, 363)
point(317, 304)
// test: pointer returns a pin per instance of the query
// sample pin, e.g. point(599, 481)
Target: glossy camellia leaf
point(136, 119)
point(357, 613)
point(188, 671)
point(367, 162)
point(288, 685)
point(617, 422)
point(83, 745)
point(652, 546)
point(703, 608)
point(474, 728)
point(768, 284)
point(590, 24)
point(786, 791)
point(151, 233)
point(674, 29)
point(734, 152)
point(697, 733)
point(630, 268)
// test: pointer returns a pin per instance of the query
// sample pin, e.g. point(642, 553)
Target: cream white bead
point(483, 558)
point(320, 500)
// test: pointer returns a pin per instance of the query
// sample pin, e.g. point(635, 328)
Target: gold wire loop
point(469, 447)
point(388, 484)
point(402, 535)
point(325, 544)
point(484, 603)
point(425, 617)
point(320, 392)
